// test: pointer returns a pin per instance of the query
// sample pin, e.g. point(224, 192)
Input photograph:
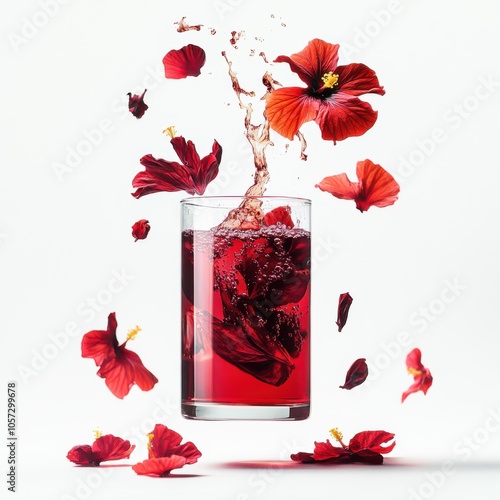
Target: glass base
point(214, 411)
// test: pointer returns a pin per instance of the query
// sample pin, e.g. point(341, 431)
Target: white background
point(423, 273)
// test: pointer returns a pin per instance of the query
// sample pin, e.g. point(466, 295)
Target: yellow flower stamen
point(413, 371)
point(150, 438)
point(97, 433)
point(170, 131)
point(337, 435)
point(330, 80)
point(132, 333)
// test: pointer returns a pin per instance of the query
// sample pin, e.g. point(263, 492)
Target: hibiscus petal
point(101, 344)
point(288, 108)
point(345, 301)
point(378, 187)
point(186, 151)
point(243, 347)
point(311, 63)
point(161, 175)
point(372, 441)
point(110, 447)
point(357, 79)
point(326, 451)
point(356, 374)
point(422, 378)
point(280, 215)
point(159, 466)
point(189, 451)
point(163, 440)
point(367, 457)
point(342, 116)
point(136, 104)
point(140, 229)
point(184, 62)
point(123, 371)
point(82, 455)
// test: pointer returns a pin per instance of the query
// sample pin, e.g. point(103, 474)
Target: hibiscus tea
point(246, 309)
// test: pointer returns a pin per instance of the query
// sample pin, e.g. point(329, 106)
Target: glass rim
point(198, 200)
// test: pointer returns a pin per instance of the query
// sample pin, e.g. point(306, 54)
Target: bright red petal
point(342, 116)
point(313, 62)
point(378, 187)
point(278, 215)
point(287, 109)
point(163, 441)
point(326, 451)
point(422, 378)
point(123, 371)
point(101, 344)
point(159, 466)
point(356, 374)
point(110, 447)
point(184, 62)
point(82, 455)
point(345, 301)
point(372, 441)
point(358, 79)
point(340, 186)
point(141, 229)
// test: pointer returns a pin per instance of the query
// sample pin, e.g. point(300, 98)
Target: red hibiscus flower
point(136, 104)
point(141, 229)
point(330, 98)
point(165, 453)
point(364, 447)
point(103, 449)
point(192, 176)
point(184, 62)
point(120, 367)
point(422, 378)
point(345, 301)
point(356, 374)
point(375, 186)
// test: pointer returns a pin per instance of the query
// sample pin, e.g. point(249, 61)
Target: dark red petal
point(246, 348)
point(326, 451)
point(110, 447)
point(342, 116)
point(159, 466)
point(186, 151)
point(367, 457)
point(316, 59)
point(340, 186)
point(101, 344)
point(280, 215)
point(345, 301)
point(356, 374)
point(141, 229)
point(184, 62)
point(136, 104)
point(161, 175)
point(82, 455)
point(287, 109)
point(372, 441)
point(125, 370)
point(303, 457)
point(378, 187)
point(358, 79)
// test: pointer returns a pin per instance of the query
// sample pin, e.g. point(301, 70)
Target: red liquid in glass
point(245, 316)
